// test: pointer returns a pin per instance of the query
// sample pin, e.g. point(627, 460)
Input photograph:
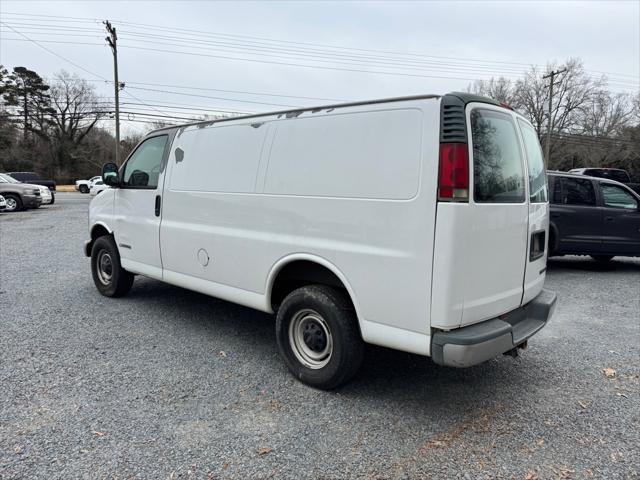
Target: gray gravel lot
point(167, 383)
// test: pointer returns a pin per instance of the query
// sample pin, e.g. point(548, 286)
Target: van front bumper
point(478, 343)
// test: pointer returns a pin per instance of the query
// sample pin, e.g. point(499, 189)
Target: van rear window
point(498, 173)
point(535, 164)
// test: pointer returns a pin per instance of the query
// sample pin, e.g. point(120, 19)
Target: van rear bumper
point(477, 343)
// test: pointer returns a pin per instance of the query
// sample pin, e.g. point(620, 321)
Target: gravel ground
point(167, 383)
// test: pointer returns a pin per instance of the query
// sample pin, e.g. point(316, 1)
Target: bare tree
point(607, 114)
point(500, 89)
point(75, 112)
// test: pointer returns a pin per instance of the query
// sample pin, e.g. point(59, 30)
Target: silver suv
point(19, 196)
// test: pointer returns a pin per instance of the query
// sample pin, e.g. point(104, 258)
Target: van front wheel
point(318, 336)
point(110, 278)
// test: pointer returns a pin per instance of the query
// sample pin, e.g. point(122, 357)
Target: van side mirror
point(110, 175)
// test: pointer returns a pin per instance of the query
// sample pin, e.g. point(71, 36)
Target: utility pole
point(112, 40)
point(26, 112)
point(551, 75)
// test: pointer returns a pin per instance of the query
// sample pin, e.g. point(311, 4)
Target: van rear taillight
point(453, 182)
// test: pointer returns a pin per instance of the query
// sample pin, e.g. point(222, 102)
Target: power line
point(216, 98)
point(146, 27)
point(429, 65)
point(54, 53)
point(322, 67)
point(179, 106)
point(237, 91)
point(476, 70)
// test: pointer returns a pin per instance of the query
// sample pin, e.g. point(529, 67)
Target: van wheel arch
point(299, 272)
point(97, 231)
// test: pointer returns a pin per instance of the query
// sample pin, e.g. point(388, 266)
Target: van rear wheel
point(318, 336)
point(110, 278)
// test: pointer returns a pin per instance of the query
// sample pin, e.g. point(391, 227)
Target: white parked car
point(416, 223)
point(97, 187)
point(84, 186)
point(3, 203)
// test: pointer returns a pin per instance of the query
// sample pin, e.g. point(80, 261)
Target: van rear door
point(536, 259)
point(497, 225)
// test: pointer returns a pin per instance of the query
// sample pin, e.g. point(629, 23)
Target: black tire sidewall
point(121, 279)
point(347, 347)
point(19, 204)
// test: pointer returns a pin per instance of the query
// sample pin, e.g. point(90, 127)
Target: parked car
point(593, 216)
point(616, 174)
point(97, 187)
point(83, 186)
point(3, 203)
point(333, 226)
point(17, 195)
point(34, 179)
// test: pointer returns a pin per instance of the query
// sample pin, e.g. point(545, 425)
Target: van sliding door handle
point(158, 202)
point(608, 219)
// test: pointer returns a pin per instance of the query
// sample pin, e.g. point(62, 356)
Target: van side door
point(137, 207)
point(620, 220)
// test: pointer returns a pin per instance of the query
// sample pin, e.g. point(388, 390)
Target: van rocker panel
point(477, 343)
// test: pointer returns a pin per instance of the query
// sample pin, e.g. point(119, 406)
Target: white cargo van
point(416, 223)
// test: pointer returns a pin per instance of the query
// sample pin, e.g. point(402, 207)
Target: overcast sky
point(181, 42)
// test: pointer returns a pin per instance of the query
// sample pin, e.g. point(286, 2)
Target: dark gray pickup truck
point(616, 174)
point(34, 179)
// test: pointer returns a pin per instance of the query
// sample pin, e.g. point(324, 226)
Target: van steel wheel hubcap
point(310, 339)
point(11, 204)
point(105, 267)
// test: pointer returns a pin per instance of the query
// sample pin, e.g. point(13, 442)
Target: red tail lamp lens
point(453, 184)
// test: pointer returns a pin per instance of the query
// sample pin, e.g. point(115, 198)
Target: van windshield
point(538, 191)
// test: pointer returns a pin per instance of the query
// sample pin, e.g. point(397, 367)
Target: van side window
point(497, 161)
point(577, 191)
point(535, 164)
point(142, 170)
point(617, 197)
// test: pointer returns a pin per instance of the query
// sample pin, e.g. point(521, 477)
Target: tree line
point(56, 127)
point(53, 128)
point(592, 126)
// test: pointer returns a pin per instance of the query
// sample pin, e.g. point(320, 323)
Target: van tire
point(110, 278)
point(317, 310)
